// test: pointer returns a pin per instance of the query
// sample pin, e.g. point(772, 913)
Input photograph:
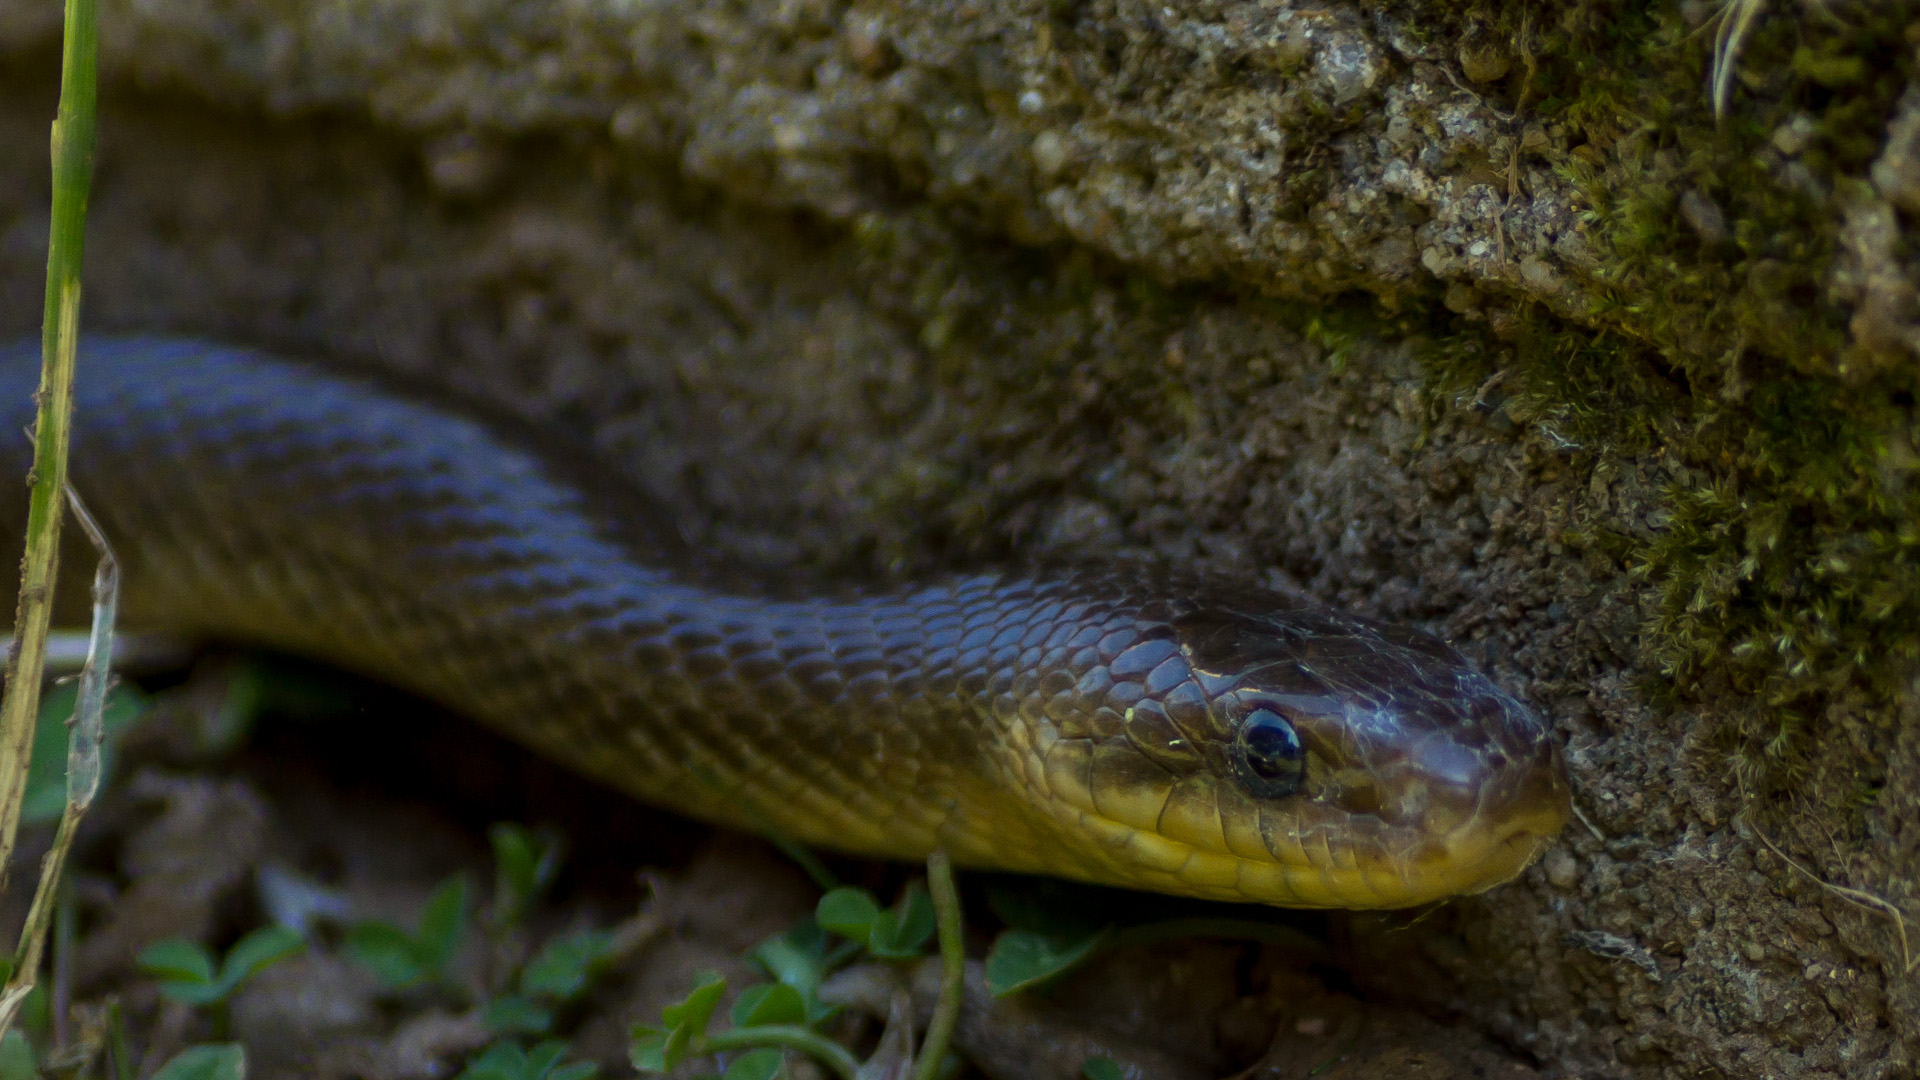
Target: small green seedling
point(187, 973)
point(773, 1018)
point(401, 959)
point(800, 959)
point(1102, 1068)
point(525, 863)
point(509, 1061)
point(562, 968)
point(516, 1014)
point(769, 1017)
point(897, 933)
point(556, 975)
point(658, 1050)
point(215, 1061)
point(1048, 934)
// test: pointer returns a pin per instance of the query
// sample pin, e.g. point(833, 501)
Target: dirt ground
point(1474, 318)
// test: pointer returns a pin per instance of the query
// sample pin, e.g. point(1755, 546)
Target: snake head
point(1292, 755)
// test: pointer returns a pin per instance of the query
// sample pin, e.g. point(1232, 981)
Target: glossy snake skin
point(1123, 726)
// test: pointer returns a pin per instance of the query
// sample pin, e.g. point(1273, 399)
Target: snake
point(1131, 724)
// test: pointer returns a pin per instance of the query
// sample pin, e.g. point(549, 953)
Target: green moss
point(1788, 561)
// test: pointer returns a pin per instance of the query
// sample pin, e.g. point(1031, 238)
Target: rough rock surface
point(1470, 317)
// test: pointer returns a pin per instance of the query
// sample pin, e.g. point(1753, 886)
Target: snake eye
point(1267, 754)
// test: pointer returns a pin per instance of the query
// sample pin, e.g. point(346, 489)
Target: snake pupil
point(1270, 756)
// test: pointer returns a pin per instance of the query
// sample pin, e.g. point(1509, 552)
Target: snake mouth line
point(1354, 881)
point(1388, 869)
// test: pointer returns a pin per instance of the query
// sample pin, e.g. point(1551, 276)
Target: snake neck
point(318, 515)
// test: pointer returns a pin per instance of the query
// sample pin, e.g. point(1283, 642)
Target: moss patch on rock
point(1786, 568)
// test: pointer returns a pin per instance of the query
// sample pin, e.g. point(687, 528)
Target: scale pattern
point(1017, 720)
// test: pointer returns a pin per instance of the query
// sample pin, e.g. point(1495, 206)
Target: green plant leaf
point(177, 960)
point(507, 1061)
point(217, 1061)
point(692, 1013)
point(400, 959)
point(660, 1051)
point(848, 912)
point(797, 957)
point(562, 967)
point(761, 1064)
point(648, 1049)
point(525, 862)
point(769, 1003)
point(184, 971)
point(542, 1058)
point(443, 923)
point(902, 931)
point(517, 1014)
point(655, 1050)
point(386, 951)
point(1021, 959)
point(800, 958)
point(501, 1061)
point(16, 1058)
point(1102, 1068)
point(257, 951)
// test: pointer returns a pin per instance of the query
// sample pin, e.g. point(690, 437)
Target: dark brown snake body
point(1120, 725)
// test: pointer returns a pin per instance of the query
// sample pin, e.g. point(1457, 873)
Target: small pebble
point(1562, 871)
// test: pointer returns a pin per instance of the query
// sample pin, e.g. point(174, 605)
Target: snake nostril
point(1496, 759)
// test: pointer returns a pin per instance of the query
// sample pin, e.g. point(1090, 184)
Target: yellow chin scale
point(1178, 838)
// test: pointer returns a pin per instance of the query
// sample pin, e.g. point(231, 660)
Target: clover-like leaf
point(1021, 959)
point(848, 912)
point(693, 1012)
point(797, 957)
point(761, 1064)
point(443, 922)
point(516, 1014)
point(400, 959)
point(184, 971)
point(219, 1061)
point(509, 1061)
point(902, 931)
point(179, 960)
point(386, 951)
point(658, 1051)
point(525, 863)
point(257, 951)
point(648, 1050)
point(563, 965)
point(769, 1003)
